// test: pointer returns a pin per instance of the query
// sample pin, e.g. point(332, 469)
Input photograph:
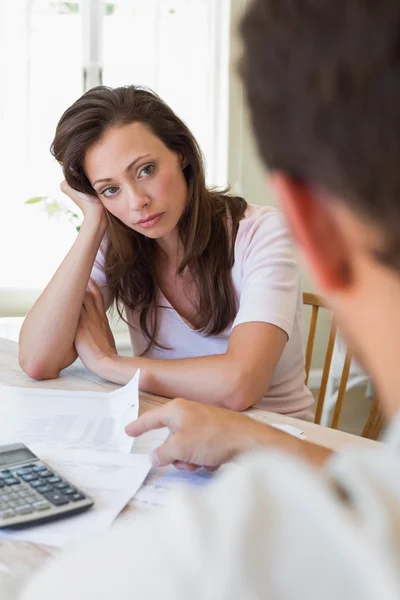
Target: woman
point(208, 284)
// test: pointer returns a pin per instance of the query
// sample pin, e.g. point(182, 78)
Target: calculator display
point(15, 456)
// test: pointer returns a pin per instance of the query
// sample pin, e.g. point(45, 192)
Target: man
point(323, 84)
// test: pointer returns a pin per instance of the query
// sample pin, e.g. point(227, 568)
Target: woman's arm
point(236, 379)
point(239, 377)
point(48, 332)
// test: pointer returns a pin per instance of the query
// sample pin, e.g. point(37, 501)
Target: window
point(50, 52)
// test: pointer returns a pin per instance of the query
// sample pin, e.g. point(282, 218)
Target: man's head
point(322, 79)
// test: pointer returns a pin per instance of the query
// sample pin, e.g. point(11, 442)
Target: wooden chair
point(375, 421)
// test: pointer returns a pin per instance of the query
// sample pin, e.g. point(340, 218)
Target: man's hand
point(205, 436)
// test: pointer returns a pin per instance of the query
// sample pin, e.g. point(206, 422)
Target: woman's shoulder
point(260, 219)
point(255, 212)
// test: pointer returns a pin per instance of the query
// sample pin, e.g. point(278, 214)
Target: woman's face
point(138, 179)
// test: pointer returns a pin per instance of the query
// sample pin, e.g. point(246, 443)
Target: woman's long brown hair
point(207, 229)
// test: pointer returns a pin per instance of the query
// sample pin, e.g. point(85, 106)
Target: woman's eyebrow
point(132, 164)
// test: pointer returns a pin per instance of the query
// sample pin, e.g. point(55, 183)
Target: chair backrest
point(375, 421)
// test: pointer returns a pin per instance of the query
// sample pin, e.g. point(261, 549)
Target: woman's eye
point(110, 191)
point(147, 170)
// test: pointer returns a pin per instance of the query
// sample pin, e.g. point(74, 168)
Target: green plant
point(71, 7)
point(54, 208)
point(110, 8)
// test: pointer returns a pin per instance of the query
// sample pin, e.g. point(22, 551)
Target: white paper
point(259, 416)
point(299, 433)
point(149, 441)
point(156, 490)
point(111, 479)
point(69, 419)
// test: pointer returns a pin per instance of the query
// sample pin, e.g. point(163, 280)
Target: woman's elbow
point(36, 368)
point(240, 395)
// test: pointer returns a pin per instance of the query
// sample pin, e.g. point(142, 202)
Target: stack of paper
point(69, 419)
point(82, 436)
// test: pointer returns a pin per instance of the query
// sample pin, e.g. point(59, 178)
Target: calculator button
point(44, 488)
point(23, 493)
point(56, 498)
point(2, 484)
point(76, 497)
point(41, 505)
point(36, 483)
point(18, 502)
point(45, 473)
point(12, 495)
point(4, 474)
point(15, 503)
point(11, 481)
point(32, 499)
point(29, 477)
point(61, 486)
point(69, 491)
point(31, 494)
point(25, 509)
point(38, 468)
point(54, 479)
point(6, 514)
point(3, 505)
point(24, 471)
point(5, 497)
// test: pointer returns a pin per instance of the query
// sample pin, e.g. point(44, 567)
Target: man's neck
point(375, 326)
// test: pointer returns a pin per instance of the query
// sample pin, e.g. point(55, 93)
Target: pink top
point(266, 281)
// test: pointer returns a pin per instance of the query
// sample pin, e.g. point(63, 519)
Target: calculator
point(32, 493)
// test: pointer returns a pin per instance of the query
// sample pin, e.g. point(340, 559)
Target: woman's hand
point(89, 205)
point(94, 340)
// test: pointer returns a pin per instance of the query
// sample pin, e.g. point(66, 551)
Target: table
point(19, 559)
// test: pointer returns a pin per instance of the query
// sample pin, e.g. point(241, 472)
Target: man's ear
point(317, 232)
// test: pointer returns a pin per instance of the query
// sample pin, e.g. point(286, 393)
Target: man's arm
point(269, 529)
point(206, 436)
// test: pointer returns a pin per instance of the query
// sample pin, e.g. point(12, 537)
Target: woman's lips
point(151, 220)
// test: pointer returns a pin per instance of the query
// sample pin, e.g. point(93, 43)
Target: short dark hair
point(322, 79)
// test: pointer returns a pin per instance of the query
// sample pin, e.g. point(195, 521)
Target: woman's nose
point(137, 200)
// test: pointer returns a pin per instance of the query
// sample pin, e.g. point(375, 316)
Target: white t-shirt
point(270, 529)
point(266, 282)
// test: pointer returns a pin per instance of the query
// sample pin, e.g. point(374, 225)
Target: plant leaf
point(36, 200)
point(53, 208)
